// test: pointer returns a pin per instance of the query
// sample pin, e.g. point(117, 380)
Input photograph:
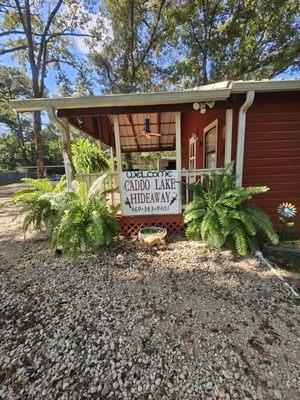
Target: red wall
point(195, 122)
point(272, 146)
point(272, 150)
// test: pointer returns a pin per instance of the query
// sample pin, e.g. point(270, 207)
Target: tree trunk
point(20, 138)
point(37, 125)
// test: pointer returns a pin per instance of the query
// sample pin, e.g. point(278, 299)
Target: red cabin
point(256, 124)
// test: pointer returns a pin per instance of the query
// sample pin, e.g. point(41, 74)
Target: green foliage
point(229, 40)
point(221, 216)
point(132, 34)
point(88, 158)
point(39, 203)
point(87, 222)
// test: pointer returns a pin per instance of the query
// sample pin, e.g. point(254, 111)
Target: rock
point(154, 330)
point(277, 394)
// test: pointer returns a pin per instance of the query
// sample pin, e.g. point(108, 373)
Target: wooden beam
point(81, 112)
point(159, 126)
point(118, 144)
point(178, 152)
point(147, 149)
point(133, 131)
point(162, 123)
point(164, 135)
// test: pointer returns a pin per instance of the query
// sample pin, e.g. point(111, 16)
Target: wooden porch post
point(228, 136)
point(178, 151)
point(118, 149)
point(118, 143)
point(62, 124)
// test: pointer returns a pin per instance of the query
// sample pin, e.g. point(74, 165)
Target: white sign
point(150, 192)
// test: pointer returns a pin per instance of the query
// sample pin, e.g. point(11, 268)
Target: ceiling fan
point(147, 131)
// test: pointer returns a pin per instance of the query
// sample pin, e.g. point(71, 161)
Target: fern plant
point(88, 158)
point(39, 203)
point(87, 222)
point(221, 216)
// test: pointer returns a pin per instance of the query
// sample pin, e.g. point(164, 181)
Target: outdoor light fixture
point(202, 106)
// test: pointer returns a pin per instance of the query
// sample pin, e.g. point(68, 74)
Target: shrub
point(220, 215)
point(87, 222)
point(88, 158)
point(39, 203)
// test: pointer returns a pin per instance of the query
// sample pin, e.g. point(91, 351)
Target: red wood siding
point(272, 150)
point(195, 122)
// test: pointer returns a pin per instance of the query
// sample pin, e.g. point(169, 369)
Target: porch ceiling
point(131, 130)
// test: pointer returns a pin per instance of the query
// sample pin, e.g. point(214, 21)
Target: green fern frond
point(263, 223)
point(219, 215)
point(240, 241)
point(196, 214)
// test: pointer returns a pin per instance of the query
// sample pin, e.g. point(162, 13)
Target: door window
point(210, 145)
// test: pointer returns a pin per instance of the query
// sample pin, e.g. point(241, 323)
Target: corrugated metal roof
point(132, 134)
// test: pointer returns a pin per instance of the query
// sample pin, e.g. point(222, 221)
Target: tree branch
point(6, 51)
point(152, 37)
point(6, 33)
point(47, 27)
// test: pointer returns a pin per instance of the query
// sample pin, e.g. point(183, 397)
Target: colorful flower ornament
point(286, 210)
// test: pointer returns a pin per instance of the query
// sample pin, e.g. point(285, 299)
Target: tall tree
point(134, 31)
point(233, 39)
point(38, 33)
point(14, 84)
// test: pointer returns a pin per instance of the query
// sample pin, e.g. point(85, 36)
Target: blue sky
point(80, 50)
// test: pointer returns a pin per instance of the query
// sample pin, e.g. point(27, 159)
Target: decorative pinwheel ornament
point(286, 211)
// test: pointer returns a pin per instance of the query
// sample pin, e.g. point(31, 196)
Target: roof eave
point(121, 100)
point(265, 86)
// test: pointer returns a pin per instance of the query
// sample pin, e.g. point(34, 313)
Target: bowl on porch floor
point(153, 232)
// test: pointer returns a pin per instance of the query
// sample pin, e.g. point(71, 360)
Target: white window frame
point(213, 124)
point(192, 145)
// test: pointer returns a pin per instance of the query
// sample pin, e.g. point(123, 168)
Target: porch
point(195, 125)
point(157, 195)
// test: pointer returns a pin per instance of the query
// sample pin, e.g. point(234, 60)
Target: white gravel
point(165, 324)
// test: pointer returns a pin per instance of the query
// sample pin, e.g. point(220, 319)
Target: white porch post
point(118, 150)
point(228, 136)
point(118, 143)
point(178, 151)
point(63, 126)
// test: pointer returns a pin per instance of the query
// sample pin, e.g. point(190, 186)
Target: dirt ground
point(135, 324)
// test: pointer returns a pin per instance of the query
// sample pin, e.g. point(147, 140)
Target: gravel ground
point(130, 324)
